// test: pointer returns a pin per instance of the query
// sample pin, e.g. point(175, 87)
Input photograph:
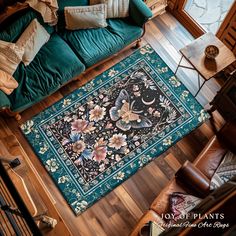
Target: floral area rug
point(102, 133)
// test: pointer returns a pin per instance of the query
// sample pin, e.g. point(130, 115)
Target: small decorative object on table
point(211, 51)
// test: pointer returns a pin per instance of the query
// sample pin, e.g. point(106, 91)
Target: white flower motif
point(127, 151)
point(174, 81)
point(117, 141)
point(67, 119)
point(143, 160)
point(164, 69)
point(203, 116)
point(146, 49)
point(66, 102)
point(112, 72)
point(117, 158)
point(120, 175)
point(43, 149)
point(97, 113)
point(151, 110)
point(81, 206)
point(52, 165)
point(101, 167)
point(137, 143)
point(62, 179)
point(185, 94)
point(90, 104)
point(167, 141)
point(88, 86)
point(156, 114)
point(27, 126)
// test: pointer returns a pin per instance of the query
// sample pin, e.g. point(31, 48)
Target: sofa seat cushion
point(125, 29)
point(94, 45)
point(53, 66)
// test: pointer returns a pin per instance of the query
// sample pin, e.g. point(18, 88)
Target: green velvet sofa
point(67, 53)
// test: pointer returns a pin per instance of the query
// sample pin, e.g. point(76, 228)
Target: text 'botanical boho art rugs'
point(101, 134)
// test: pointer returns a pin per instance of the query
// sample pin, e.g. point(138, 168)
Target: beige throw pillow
point(10, 56)
point(84, 17)
point(7, 82)
point(115, 8)
point(32, 39)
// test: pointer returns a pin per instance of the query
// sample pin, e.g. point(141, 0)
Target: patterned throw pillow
point(181, 204)
point(10, 56)
point(84, 17)
point(225, 171)
point(7, 82)
point(115, 8)
point(32, 39)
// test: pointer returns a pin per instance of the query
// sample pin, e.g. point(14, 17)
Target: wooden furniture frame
point(14, 214)
point(39, 201)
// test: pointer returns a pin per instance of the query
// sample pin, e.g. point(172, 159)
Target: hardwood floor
point(118, 212)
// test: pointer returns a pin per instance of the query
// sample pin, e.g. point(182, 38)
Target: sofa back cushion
point(67, 3)
point(32, 39)
point(115, 8)
point(84, 17)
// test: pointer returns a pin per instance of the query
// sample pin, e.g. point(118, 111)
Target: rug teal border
point(77, 199)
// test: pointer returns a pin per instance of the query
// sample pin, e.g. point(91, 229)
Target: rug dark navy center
point(102, 133)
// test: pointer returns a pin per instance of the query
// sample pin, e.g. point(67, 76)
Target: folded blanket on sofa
point(47, 8)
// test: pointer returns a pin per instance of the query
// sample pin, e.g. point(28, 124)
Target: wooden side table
point(206, 68)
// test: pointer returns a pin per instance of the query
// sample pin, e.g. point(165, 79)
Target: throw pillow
point(32, 39)
point(7, 82)
point(115, 8)
point(225, 171)
point(84, 17)
point(181, 204)
point(10, 56)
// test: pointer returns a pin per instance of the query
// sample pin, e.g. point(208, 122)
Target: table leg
point(199, 86)
point(179, 64)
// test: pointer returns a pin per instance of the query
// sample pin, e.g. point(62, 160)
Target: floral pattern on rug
point(101, 134)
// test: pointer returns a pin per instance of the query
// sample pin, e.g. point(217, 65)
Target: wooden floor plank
point(117, 213)
point(172, 162)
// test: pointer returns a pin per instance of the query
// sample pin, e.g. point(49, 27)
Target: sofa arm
point(4, 101)
point(192, 178)
point(210, 157)
point(139, 12)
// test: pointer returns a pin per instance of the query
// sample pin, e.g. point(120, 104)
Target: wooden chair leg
point(10, 113)
point(47, 221)
point(17, 116)
point(138, 44)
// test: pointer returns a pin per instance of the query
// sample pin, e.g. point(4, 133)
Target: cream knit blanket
point(47, 8)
